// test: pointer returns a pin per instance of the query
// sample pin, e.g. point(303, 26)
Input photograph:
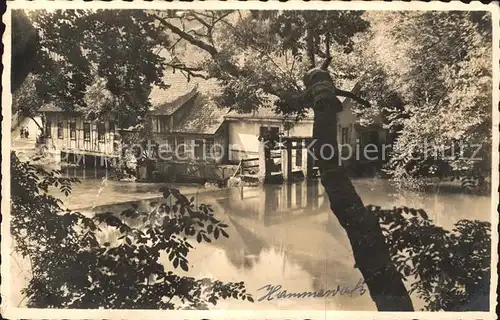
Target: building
point(244, 129)
point(84, 141)
point(188, 129)
point(244, 146)
point(193, 137)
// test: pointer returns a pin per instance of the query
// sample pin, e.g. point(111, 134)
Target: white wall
point(244, 132)
point(243, 139)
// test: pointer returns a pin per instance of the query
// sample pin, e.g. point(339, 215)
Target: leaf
point(423, 214)
point(184, 265)
point(224, 233)
point(207, 239)
point(176, 263)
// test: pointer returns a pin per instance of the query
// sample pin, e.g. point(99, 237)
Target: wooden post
point(309, 160)
point(105, 165)
point(95, 166)
point(84, 167)
point(304, 157)
point(262, 162)
point(289, 159)
point(284, 161)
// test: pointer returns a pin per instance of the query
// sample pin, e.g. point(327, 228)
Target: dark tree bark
point(371, 252)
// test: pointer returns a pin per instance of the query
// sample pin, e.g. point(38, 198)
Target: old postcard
point(249, 160)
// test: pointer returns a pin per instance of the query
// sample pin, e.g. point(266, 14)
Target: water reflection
point(281, 235)
point(286, 235)
point(273, 203)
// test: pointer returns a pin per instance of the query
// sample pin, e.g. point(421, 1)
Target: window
point(210, 151)
point(72, 129)
point(60, 129)
point(270, 134)
point(101, 131)
point(163, 123)
point(345, 135)
point(274, 131)
point(171, 145)
point(48, 128)
point(112, 126)
point(154, 124)
point(86, 131)
point(180, 148)
point(198, 149)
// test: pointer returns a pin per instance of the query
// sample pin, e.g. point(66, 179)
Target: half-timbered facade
point(71, 133)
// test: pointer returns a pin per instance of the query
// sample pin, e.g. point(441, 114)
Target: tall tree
point(436, 69)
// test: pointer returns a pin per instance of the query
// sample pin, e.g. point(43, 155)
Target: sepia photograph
point(250, 160)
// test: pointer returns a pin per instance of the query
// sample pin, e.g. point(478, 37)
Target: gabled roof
point(170, 106)
point(205, 117)
point(179, 91)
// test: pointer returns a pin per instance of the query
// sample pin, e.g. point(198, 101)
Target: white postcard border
point(12, 312)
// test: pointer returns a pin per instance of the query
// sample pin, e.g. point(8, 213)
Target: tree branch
point(186, 36)
point(352, 96)
point(36, 122)
point(310, 45)
point(200, 20)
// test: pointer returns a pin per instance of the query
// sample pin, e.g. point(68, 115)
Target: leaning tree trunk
point(371, 252)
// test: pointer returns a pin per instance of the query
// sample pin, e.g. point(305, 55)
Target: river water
point(279, 235)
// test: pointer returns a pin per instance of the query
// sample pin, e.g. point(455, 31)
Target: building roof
point(169, 106)
point(179, 91)
point(205, 117)
point(49, 107)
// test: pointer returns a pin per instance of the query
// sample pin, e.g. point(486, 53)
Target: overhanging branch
point(186, 36)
